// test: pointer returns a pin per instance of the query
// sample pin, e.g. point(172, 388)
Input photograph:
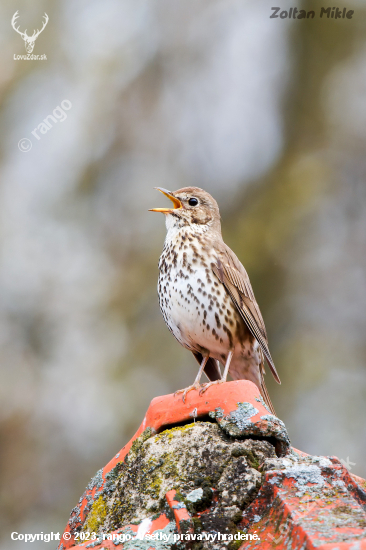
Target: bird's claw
point(209, 384)
point(186, 390)
point(197, 387)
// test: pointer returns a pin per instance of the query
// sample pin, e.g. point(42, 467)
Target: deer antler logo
point(29, 40)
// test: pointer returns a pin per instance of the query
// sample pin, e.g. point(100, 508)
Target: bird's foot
point(196, 387)
point(209, 384)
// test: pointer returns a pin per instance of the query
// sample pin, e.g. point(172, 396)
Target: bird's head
point(192, 206)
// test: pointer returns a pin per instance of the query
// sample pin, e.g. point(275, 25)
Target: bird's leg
point(227, 365)
point(224, 376)
point(196, 383)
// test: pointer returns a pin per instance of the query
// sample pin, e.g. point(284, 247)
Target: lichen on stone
point(136, 544)
point(317, 485)
point(198, 460)
point(220, 472)
point(242, 415)
point(238, 424)
point(304, 474)
point(96, 516)
point(195, 495)
point(262, 402)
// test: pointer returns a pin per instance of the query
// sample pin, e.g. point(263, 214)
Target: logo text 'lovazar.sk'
point(29, 41)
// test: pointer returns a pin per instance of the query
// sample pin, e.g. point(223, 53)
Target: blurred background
point(268, 115)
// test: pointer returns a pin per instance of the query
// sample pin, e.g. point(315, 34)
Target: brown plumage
point(206, 297)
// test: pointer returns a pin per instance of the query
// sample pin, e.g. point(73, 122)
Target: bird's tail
point(266, 398)
point(264, 391)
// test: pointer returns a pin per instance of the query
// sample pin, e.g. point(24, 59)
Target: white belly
point(194, 305)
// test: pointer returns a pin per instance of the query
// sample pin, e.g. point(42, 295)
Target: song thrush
point(206, 297)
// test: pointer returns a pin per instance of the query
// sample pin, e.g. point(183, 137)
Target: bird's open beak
point(176, 202)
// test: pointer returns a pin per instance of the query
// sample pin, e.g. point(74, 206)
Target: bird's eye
point(193, 202)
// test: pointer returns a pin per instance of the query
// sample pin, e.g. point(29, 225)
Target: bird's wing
point(233, 276)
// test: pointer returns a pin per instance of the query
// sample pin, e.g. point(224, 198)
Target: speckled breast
point(195, 305)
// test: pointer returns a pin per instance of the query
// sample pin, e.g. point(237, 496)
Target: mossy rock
point(199, 461)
